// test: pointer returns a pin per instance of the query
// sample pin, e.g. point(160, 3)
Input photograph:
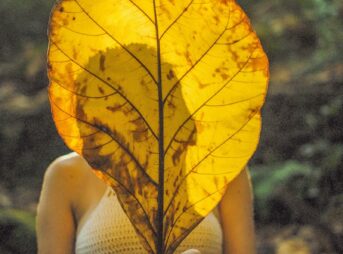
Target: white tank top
point(108, 231)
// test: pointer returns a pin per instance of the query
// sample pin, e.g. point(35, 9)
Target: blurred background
point(297, 169)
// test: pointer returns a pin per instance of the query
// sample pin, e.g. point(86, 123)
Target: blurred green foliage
point(269, 181)
point(302, 154)
point(22, 22)
point(292, 29)
point(17, 232)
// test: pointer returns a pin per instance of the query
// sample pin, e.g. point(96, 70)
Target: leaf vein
point(139, 8)
point(80, 33)
point(199, 60)
point(82, 95)
point(118, 42)
point(125, 149)
point(195, 111)
point(189, 207)
point(111, 86)
point(204, 158)
point(139, 203)
point(176, 19)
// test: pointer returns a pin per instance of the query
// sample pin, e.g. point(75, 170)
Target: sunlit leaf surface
point(160, 97)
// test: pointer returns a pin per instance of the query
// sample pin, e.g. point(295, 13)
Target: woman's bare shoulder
point(67, 173)
point(58, 195)
point(70, 165)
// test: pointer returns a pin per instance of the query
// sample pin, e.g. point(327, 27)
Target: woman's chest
point(108, 230)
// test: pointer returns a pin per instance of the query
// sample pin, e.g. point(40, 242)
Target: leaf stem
point(160, 236)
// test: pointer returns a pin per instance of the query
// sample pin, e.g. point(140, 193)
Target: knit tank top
point(108, 230)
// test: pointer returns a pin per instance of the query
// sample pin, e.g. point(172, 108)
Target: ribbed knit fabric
point(109, 231)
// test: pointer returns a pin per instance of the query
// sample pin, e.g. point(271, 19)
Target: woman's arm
point(237, 216)
point(55, 220)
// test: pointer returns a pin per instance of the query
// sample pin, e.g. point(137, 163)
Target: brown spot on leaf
point(114, 108)
point(102, 62)
point(141, 131)
point(98, 162)
point(128, 110)
point(216, 181)
point(188, 58)
point(216, 19)
point(171, 104)
point(199, 126)
point(80, 113)
point(203, 85)
point(83, 89)
point(224, 1)
point(140, 136)
point(177, 154)
point(101, 90)
point(224, 76)
point(182, 146)
point(91, 140)
point(253, 112)
point(175, 181)
point(170, 75)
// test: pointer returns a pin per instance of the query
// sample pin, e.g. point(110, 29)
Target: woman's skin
point(71, 191)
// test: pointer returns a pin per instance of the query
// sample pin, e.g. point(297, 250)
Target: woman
point(72, 195)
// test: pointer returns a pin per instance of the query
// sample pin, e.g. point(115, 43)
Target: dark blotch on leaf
point(102, 62)
point(113, 108)
point(101, 90)
point(83, 89)
point(170, 75)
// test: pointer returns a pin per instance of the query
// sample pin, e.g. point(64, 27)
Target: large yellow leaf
point(162, 98)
